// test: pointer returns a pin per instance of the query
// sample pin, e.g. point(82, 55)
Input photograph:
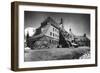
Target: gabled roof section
point(82, 38)
point(71, 33)
point(51, 21)
point(40, 33)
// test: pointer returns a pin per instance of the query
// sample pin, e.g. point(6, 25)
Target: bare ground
point(55, 54)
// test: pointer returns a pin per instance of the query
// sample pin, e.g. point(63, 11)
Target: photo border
point(15, 34)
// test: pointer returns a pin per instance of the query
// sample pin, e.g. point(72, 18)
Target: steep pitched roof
point(51, 21)
point(71, 33)
point(82, 37)
point(40, 33)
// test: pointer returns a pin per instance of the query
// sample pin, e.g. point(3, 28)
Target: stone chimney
point(84, 35)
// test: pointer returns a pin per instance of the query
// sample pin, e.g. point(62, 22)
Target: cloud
point(29, 30)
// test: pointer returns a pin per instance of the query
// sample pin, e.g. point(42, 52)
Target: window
point(53, 34)
point(53, 29)
point(50, 33)
point(56, 30)
point(50, 41)
point(56, 35)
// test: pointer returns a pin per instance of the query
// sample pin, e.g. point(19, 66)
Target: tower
point(61, 24)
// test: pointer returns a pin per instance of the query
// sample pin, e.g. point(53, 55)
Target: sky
point(79, 23)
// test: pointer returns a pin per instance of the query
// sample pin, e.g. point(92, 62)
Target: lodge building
point(52, 35)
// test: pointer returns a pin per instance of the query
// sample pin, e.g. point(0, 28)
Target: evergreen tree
point(27, 37)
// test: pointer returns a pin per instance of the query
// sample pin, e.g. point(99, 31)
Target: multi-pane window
point(55, 29)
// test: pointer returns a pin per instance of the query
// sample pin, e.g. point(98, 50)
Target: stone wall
point(44, 43)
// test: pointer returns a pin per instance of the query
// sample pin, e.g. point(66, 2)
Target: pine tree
point(27, 37)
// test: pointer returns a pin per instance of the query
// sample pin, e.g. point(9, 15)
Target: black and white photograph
point(56, 36)
point(53, 36)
